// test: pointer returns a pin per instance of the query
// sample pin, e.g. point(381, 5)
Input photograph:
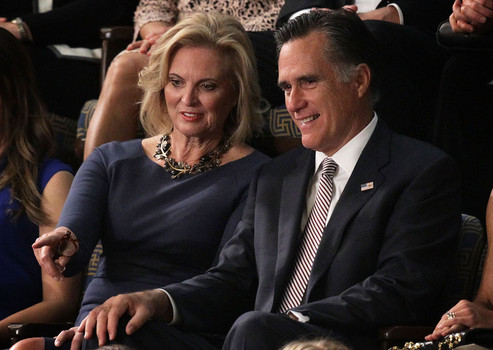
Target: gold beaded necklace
point(177, 169)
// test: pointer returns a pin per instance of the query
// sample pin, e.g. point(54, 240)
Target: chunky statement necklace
point(178, 169)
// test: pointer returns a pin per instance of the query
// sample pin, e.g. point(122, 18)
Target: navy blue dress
point(155, 230)
point(20, 274)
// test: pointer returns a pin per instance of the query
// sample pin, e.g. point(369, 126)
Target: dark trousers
point(254, 330)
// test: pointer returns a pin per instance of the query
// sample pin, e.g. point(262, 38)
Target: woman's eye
point(208, 87)
point(175, 82)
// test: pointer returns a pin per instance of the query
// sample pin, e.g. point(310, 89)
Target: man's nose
point(295, 100)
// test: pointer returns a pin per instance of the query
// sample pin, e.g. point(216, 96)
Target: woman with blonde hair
point(115, 117)
point(164, 206)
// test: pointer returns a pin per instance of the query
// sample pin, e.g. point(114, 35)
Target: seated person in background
point(66, 80)
point(164, 206)
point(33, 188)
point(463, 122)
point(411, 57)
point(368, 212)
point(115, 117)
point(478, 313)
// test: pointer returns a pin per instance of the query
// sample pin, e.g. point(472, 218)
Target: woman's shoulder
point(247, 159)
point(116, 150)
point(49, 168)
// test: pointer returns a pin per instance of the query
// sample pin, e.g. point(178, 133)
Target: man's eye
point(308, 82)
point(286, 88)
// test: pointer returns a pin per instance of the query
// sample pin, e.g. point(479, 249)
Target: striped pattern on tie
point(295, 289)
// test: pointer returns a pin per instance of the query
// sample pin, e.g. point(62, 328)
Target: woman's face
point(199, 93)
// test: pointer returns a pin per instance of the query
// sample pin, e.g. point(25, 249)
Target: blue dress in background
point(155, 230)
point(20, 274)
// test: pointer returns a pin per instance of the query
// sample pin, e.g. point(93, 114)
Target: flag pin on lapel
point(367, 186)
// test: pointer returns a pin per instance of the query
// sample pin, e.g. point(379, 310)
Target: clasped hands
point(102, 321)
point(472, 16)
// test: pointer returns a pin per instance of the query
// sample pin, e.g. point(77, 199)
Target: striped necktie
point(296, 287)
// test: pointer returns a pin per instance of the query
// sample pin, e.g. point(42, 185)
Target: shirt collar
point(347, 157)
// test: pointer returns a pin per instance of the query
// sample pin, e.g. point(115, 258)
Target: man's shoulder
point(414, 148)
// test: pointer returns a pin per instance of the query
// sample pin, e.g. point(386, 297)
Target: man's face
point(326, 110)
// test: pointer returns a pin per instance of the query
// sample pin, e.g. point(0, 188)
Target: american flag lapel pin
point(366, 186)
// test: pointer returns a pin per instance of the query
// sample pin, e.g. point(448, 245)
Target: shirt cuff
point(297, 316)
point(399, 11)
point(176, 314)
point(300, 12)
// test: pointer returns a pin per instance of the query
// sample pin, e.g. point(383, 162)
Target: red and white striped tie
point(314, 229)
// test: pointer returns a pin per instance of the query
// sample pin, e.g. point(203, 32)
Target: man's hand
point(388, 14)
point(11, 27)
point(472, 16)
point(141, 306)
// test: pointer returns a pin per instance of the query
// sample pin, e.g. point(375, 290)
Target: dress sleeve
point(85, 208)
point(165, 11)
point(49, 168)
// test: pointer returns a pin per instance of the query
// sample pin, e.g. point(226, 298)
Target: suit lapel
point(293, 202)
point(374, 156)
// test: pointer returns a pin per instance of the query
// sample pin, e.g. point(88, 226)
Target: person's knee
point(254, 322)
point(126, 66)
point(29, 344)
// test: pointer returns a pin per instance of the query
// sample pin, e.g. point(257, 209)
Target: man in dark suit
point(388, 236)
point(420, 13)
point(412, 59)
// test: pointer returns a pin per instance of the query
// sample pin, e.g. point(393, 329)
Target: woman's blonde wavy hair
point(26, 136)
point(216, 31)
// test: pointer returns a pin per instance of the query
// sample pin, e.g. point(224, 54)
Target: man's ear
point(362, 78)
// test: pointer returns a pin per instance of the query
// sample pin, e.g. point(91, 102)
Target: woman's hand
point(54, 249)
point(151, 32)
point(464, 315)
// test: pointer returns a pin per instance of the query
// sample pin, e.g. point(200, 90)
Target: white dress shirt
point(346, 159)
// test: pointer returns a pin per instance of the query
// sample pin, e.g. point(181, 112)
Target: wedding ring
point(450, 315)
point(60, 267)
point(68, 245)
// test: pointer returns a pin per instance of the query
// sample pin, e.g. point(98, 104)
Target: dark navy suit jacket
point(383, 259)
point(421, 13)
